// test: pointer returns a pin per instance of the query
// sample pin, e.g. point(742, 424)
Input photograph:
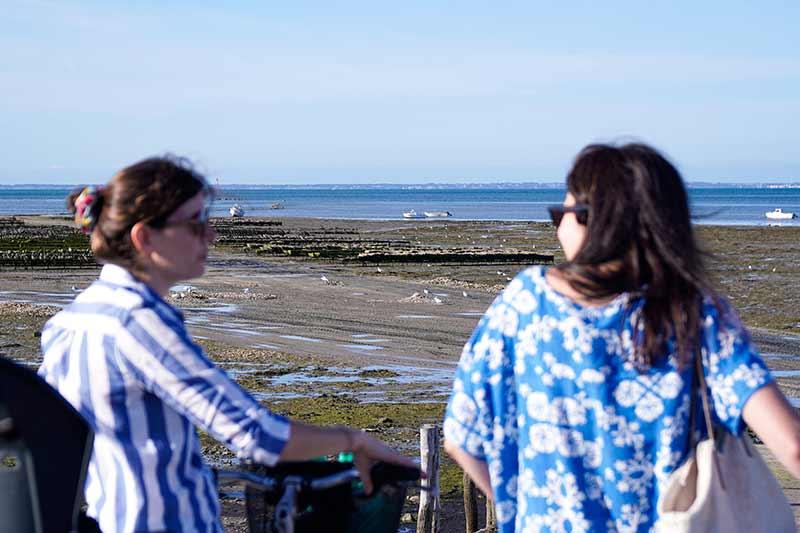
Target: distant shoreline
point(788, 184)
point(47, 218)
point(64, 219)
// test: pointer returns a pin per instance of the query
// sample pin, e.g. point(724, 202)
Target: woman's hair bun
point(86, 204)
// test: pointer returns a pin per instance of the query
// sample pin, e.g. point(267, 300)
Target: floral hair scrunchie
point(87, 206)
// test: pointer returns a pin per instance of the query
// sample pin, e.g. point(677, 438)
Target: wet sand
point(338, 339)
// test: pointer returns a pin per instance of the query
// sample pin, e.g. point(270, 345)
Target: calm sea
point(710, 205)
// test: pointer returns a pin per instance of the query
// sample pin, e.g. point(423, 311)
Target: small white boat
point(276, 205)
point(779, 214)
point(412, 214)
point(236, 211)
point(438, 214)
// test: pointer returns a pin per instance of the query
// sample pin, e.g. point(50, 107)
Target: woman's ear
point(141, 235)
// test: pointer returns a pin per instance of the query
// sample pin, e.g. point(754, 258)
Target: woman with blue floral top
point(571, 401)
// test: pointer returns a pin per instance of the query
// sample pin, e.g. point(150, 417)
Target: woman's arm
point(177, 371)
point(776, 422)
point(476, 469)
point(307, 441)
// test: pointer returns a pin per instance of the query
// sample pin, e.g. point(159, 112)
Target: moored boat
point(438, 214)
point(236, 211)
point(412, 214)
point(779, 214)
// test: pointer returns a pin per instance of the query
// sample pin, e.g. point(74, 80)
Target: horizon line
point(441, 184)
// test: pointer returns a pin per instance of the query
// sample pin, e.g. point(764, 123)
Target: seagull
point(426, 291)
point(76, 289)
point(464, 294)
point(325, 279)
point(437, 300)
point(774, 268)
point(380, 270)
point(501, 273)
point(508, 278)
point(749, 267)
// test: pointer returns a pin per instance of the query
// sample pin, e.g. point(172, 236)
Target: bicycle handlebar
point(381, 474)
point(334, 479)
point(248, 478)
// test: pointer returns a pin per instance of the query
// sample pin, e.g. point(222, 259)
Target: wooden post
point(428, 516)
point(491, 519)
point(470, 504)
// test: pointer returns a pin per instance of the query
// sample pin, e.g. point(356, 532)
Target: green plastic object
point(345, 457)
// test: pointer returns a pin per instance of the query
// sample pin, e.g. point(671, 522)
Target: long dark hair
point(150, 191)
point(640, 239)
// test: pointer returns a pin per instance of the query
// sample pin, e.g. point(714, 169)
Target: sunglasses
point(557, 213)
point(198, 224)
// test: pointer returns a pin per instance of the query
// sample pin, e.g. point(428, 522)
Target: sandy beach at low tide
point(332, 338)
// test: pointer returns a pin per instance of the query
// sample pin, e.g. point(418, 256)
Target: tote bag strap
point(702, 387)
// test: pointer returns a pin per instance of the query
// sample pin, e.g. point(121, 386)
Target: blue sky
point(365, 92)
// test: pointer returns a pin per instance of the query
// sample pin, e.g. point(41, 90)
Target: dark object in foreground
point(312, 496)
point(45, 446)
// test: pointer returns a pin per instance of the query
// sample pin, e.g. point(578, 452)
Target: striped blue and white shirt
point(122, 356)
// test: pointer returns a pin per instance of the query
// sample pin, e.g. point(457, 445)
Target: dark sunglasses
point(557, 213)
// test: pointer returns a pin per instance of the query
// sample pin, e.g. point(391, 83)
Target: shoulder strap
point(703, 390)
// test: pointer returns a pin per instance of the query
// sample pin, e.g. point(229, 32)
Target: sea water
point(710, 204)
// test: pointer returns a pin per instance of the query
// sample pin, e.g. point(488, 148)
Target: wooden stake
point(428, 516)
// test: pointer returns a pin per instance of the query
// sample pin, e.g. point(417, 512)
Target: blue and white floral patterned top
point(575, 437)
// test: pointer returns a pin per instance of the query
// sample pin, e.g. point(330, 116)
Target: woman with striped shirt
point(121, 355)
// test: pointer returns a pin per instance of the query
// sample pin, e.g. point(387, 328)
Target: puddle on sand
point(773, 355)
point(785, 373)
point(240, 331)
point(53, 299)
point(430, 384)
point(469, 313)
point(361, 347)
point(266, 346)
point(299, 338)
point(218, 309)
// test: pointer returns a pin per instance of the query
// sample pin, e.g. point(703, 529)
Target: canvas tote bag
point(725, 486)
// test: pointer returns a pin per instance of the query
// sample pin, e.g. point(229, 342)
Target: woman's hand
point(367, 450)
point(307, 441)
